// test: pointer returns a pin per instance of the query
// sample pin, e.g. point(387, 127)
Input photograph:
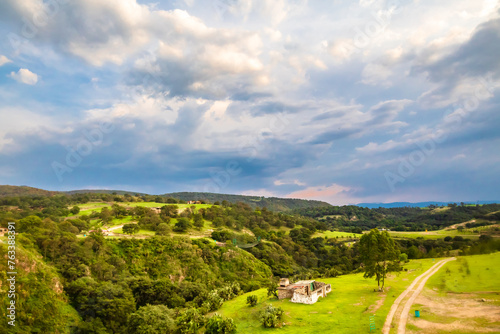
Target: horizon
point(366, 102)
point(235, 194)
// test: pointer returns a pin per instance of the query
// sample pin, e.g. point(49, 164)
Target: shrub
point(182, 225)
point(130, 228)
point(190, 321)
point(151, 319)
point(252, 300)
point(163, 229)
point(75, 210)
point(220, 325)
point(271, 316)
point(213, 302)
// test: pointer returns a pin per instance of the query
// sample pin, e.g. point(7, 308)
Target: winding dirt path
point(420, 280)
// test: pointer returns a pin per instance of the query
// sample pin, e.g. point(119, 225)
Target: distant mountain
point(418, 204)
point(13, 191)
point(103, 191)
point(272, 203)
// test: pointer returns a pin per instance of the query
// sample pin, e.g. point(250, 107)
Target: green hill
point(11, 191)
point(272, 203)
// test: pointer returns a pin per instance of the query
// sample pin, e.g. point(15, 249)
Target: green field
point(345, 310)
point(335, 234)
point(88, 208)
point(463, 297)
point(439, 234)
point(483, 274)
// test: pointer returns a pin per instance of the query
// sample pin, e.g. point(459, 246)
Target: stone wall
point(322, 291)
point(285, 293)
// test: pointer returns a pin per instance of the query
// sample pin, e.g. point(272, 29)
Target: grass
point(335, 234)
point(330, 216)
point(439, 234)
point(88, 208)
point(140, 233)
point(440, 209)
point(159, 205)
point(483, 274)
point(345, 310)
point(460, 285)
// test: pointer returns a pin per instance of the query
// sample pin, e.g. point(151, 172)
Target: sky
point(340, 101)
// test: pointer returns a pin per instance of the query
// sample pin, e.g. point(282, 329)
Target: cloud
point(24, 76)
point(191, 87)
point(459, 156)
point(374, 74)
point(4, 60)
point(334, 194)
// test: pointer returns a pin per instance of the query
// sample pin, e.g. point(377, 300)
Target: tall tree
point(379, 255)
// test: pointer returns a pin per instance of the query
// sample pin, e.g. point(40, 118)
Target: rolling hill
point(272, 203)
point(10, 191)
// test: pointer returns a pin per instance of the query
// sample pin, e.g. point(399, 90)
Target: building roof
point(300, 284)
point(304, 282)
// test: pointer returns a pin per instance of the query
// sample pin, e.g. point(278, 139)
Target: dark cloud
point(477, 57)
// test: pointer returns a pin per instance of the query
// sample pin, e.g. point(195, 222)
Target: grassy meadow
point(336, 234)
point(463, 297)
point(438, 234)
point(345, 310)
point(469, 274)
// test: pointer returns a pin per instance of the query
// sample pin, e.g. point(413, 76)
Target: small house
point(305, 292)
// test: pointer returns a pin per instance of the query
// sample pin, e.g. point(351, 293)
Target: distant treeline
point(349, 218)
point(271, 203)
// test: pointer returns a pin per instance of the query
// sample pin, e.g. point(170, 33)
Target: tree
point(198, 221)
point(163, 229)
point(220, 325)
point(130, 228)
point(75, 210)
point(182, 225)
point(106, 215)
point(169, 210)
point(151, 319)
point(379, 255)
point(272, 288)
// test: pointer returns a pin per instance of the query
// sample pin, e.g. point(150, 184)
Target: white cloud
point(24, 76)
point(376, 74)
point(4, 60)
point(283, 182)
point(459, 156)
point(19, 120)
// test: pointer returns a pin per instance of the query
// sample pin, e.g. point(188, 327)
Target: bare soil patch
point(466, 313)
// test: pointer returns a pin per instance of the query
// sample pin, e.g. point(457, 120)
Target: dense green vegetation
point(172, 272)
point(352, 218)
point(271, 203)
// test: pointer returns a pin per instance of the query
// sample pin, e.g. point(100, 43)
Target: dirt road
point(420, 280)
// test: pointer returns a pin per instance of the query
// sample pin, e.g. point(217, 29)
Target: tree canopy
point(379, 255)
